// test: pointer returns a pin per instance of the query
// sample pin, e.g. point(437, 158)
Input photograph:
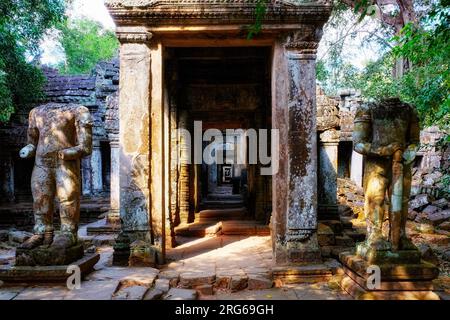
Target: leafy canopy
point(22, 26)
point(85, 43)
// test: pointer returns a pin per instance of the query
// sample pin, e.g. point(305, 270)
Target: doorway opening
point(226, 91)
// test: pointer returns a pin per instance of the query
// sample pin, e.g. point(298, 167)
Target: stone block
point(344, 241)
point(205, 290)
point(439, 217)
point(139, 280)
point(94, 290)
point(162, 285)
point(193, 279)
point(428, 254)
point(441, 203)
point(419, 201)
point(131, 293)
point(325, 235)
point(49, 256)
point(258, 282)
point(301, 274)
point(153, 294)
point(181, 294)
point(430, 209)
point(238, 282)
point(172, 275)
point(119, 273)
point(445, 226)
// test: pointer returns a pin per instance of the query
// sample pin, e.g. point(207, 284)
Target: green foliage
point(85, 43)
point(22, 26)
point(427, 48)
point(426, 84)
point(260, 12)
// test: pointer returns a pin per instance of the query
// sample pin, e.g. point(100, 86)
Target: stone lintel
point(213, 12)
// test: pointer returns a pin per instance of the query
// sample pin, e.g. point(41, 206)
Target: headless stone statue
point(387, 134)
point(59, 135)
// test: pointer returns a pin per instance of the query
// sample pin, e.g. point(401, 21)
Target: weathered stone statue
point(387, 134)
point(387, 266)
point(59, 136)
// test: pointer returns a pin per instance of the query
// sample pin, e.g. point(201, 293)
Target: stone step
point(347, 222)
point(221, 214)
point(224, 197)
point(198, 229)
point(218, 204)
point(244, 227)
point(357, 236)
point(344, 241)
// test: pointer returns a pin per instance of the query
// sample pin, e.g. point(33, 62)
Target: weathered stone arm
point(414, 138)
point(84, 137)
point(29, 150)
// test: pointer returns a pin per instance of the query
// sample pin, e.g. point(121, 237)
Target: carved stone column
point(112, 128)
point(184, 169)
point(295, 185)
point(96, 167)
point(328, 163)
point(86, 176)
point(134, 147)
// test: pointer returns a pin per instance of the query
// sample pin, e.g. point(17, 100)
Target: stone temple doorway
point(219, 90)
point(163, 44)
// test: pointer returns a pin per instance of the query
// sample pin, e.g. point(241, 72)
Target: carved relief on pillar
point(327, 111)
point(301, 217)
point(305, 40)
point(133, 117)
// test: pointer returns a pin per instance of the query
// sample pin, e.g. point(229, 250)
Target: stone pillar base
point(398, 281)
point(304, 251)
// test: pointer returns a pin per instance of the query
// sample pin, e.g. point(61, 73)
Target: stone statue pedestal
point(48, 274)
point(49, 256)
point(404, 276)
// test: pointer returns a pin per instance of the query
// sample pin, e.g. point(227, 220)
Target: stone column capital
point(330, 137)
point(133, 36)
point(302, 44)
point(114, 140)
